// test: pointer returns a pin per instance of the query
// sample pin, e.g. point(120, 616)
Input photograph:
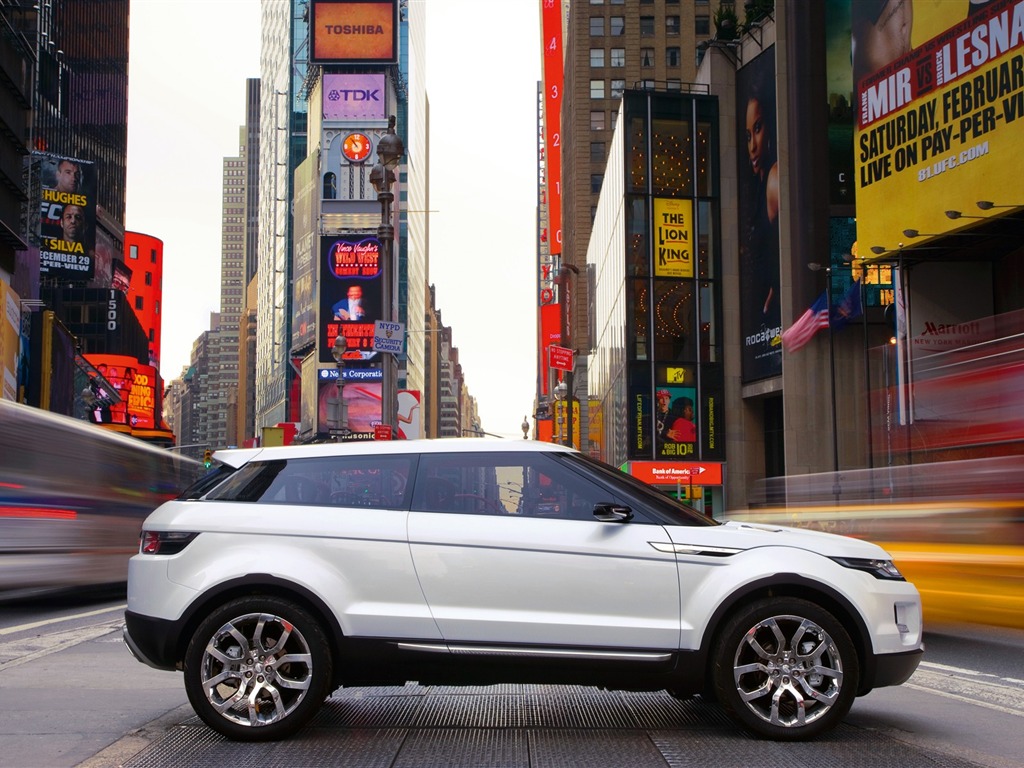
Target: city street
point(71, 695)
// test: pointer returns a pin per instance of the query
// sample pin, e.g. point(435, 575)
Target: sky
point(188, 63)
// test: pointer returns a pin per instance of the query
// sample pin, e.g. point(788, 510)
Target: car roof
point(236, 457)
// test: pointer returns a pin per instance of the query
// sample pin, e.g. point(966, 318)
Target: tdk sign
point(354, 97)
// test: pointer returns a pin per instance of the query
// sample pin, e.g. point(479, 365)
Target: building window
point(646, 57)
point(596, 179)
point(672, 57)
point(149, 278)
point(618, 86)
point(133, 252)
point(330, 186)
point(671, 25)
point(152, 256)
point(618, 57)
point(597, 26)
point(618, 2)
point(138, 302)
point(618, 25)
point(674, 84)
point(156, 307)
point(597, 2)
point(702, 26)
point(597, 89)
point(597, 120)
point(647, 85)
point(597, 57)
point(597, 151)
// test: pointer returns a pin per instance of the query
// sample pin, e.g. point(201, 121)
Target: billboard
point(938, 110)
point(351, 295)
point(354, 97)
point(673, 237)
point(354, 32)
point(67, 218)
point(758, 186)
point(135, 384)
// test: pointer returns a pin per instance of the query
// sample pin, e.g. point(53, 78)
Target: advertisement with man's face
point(351, 296)
point(939, 97)
point(67, 218)
point(758, 185)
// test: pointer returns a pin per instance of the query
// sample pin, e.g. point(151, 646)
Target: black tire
point(785, 669)
point(257, 668)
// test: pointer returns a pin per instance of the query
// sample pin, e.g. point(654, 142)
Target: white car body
point(408, 593)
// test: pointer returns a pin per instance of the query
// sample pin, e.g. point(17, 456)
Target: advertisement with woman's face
point(758, 185)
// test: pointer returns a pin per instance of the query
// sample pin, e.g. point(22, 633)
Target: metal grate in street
point(513, 726)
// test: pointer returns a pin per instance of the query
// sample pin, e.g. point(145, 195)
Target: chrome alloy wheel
point(256, 669)
point(788, 671)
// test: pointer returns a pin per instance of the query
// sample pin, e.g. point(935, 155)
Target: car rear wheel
point(257, 668)
point(785, 669)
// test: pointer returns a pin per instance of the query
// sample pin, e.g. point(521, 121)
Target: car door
point(507, 551)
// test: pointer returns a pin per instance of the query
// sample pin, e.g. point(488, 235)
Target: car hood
point(735, 536)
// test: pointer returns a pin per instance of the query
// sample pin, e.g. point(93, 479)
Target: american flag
point(808, 324)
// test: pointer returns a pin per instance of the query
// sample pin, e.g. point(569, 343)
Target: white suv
point(289, 572)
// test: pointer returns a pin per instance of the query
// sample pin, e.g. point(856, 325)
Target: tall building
point(609, 47)
point(415, 204)
point(282, 147)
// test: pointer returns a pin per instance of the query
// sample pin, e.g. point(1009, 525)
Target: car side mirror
point(612, 513)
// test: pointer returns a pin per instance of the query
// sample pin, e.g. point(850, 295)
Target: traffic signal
point(207, 458)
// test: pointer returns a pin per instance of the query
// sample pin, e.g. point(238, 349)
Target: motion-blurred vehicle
point(291, 571)
point(73, 497)
point(954, 528)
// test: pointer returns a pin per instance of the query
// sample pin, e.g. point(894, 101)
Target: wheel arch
point(259, 584)
point(796, 586)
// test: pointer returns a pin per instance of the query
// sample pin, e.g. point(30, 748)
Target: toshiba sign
point(351, 31)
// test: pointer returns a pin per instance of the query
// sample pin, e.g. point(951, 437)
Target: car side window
point(512, 483)
point(377, 482)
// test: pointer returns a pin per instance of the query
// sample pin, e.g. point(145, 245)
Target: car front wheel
point(785, 669)
point(257, 668)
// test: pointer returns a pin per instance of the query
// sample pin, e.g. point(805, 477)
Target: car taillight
point(164, 542)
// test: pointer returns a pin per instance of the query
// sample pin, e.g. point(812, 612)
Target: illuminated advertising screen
point(67, 223)
point(353, 31)
point(554, 75)
point(133, 382)
point(758, 186)
point(677, 421)
point(363, 410)
point(354, 97)
point(673, 237)
point(939, 98)
point(351, 295)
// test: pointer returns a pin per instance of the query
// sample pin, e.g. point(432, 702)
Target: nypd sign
point(388, 336)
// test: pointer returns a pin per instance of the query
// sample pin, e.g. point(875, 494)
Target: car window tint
point(378, 482)
point(512, 483)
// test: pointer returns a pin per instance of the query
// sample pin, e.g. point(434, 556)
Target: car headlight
point(880, 569)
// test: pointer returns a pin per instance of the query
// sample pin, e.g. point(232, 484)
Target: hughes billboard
point(67, 218)
point(939, 113)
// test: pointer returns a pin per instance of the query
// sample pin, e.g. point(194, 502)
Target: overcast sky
point(188, 65)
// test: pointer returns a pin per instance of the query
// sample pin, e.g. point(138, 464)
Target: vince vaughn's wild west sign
point(67, 218)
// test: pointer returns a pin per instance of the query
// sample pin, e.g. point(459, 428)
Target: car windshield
point(668, 510)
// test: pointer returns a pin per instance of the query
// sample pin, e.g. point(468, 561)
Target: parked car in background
point(288, 572)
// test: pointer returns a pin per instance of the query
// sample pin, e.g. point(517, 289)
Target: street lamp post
point(338, 353)
point(389, 153)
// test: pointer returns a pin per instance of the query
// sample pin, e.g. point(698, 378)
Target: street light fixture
point(389, 153)
point(338, 353)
